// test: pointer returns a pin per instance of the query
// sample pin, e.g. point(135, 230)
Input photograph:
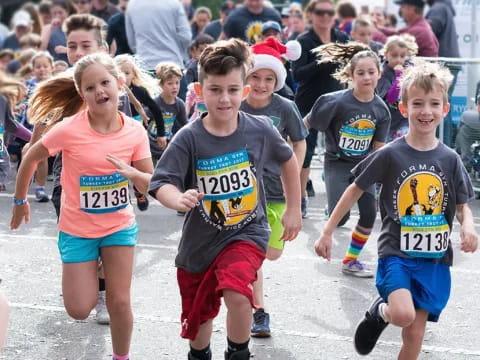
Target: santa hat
point(268, 55)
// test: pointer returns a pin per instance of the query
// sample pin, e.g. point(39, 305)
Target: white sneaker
point(357, 269)
point(102, 316)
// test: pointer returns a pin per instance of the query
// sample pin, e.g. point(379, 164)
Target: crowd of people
point(219, 120)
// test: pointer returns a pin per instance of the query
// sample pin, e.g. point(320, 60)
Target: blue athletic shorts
point(74, 249)
point(428, 282)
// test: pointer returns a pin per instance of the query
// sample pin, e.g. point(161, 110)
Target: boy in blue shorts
point(424, 185)
point(213, 169)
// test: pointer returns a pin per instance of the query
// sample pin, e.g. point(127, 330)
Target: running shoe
point(310, 189)
point(369, 329)
point(181, 213)
point(191, 357)
point(261, 324)
point(40, 195)
point(50, 177)
point(102, 316)
point(238, 355)
point(142, 201)
point(357, 269)
point(304, 208)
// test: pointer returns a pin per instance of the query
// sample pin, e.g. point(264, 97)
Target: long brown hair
point(14, 90)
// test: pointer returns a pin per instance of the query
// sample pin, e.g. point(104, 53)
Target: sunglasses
point(320, 12)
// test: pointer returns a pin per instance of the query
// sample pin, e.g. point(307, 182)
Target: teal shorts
point(74, 249)
point(274, 214)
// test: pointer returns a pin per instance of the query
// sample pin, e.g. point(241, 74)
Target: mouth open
point(102, 100)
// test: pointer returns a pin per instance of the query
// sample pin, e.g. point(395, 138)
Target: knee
point(273, 254)
point(402, 317)
point(118, 304)
point(78, 312)
point(234, 300)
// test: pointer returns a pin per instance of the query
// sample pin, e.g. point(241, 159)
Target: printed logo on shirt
point(138, 118)
point(356, 136)
point(254, 32)
point(421, 201)
point(230, 188)
point(275, 120)
point(103, 193)
point(201, 108)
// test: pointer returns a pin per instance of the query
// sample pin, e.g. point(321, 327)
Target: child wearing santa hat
point(265, 78)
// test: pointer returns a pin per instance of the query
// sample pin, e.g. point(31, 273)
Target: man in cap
point(215, 28)
point(417, 26)
point(21, 23)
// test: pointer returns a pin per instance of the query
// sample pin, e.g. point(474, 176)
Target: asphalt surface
point(314, 308)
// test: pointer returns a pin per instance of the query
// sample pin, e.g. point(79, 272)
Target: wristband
point(19, 201)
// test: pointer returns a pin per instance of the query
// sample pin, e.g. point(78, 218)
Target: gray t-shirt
point(229, 171)
point(420, 192)
point(174, 117)
point(287, 119)
point(350, 126)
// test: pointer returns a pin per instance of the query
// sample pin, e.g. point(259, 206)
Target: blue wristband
point(19, 201)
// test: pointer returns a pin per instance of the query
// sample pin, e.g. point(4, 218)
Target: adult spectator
point(45, 12)
point(103, 9)
point(189, 9)
point(53, 37)
point(201, 18)
point(22, 25)
point(441, 18)
point(298, 25)
point(116, 33)
point(417, 25)
point(468, 133)
point(215, 28)
point(315, 79)
point(83, 6)
point(246, 22)
point(158, 31)
point(32, 10)
point(378, 18)
point(391, 21)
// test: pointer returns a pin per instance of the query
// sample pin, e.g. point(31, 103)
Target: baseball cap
point(21, 18)
point(271, 25)
point(418, 3)
point(285, 12)
point(227, 7)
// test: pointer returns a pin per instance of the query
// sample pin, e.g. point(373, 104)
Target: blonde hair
point(404, 41)
point(426, 76)
point(59, 97)
point(347, 55)
point(165, 70)
point(140, 77)
point(13, 89)
point(42, 54)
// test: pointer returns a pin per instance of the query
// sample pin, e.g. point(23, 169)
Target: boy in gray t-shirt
point(269, 75)
point(213, 169)
point(424, 184)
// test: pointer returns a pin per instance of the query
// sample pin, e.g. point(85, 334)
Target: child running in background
point(362, 31)
point(42, 65)
point(198, 45)
point(11, 92)
point(424, 184)
point(172, 107)
point(213, 168)
point(355, 122)
point(398, 49)
point(142, 87)
point(96, 218)
point(194, 104)
point(59, 66)
point(265, 78)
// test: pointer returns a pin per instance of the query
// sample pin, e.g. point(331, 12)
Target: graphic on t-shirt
point(356, 137)
point(138, 118)
point(1, 141)
point(230, 189)
point(103, 193)
point(421, 202)
point(275, 120)
point(254, 32)
point(168, 121)
point(201, 108)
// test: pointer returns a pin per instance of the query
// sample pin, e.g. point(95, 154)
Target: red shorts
point(235, 268)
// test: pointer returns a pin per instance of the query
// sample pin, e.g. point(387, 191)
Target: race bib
point(103, 193)
point(355, 141)
point(231, 180)
point(201, 108)
point(138, 118)
point(425, 236)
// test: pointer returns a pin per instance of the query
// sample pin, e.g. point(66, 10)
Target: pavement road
point(314, 308)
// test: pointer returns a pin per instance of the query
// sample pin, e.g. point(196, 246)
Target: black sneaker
point(369, 329)
point(310, 189)
point(191, 357)
point(238, 355)
point(142, 201)
point(261, 324)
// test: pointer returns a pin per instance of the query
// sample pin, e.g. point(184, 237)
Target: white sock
point(381, 311)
